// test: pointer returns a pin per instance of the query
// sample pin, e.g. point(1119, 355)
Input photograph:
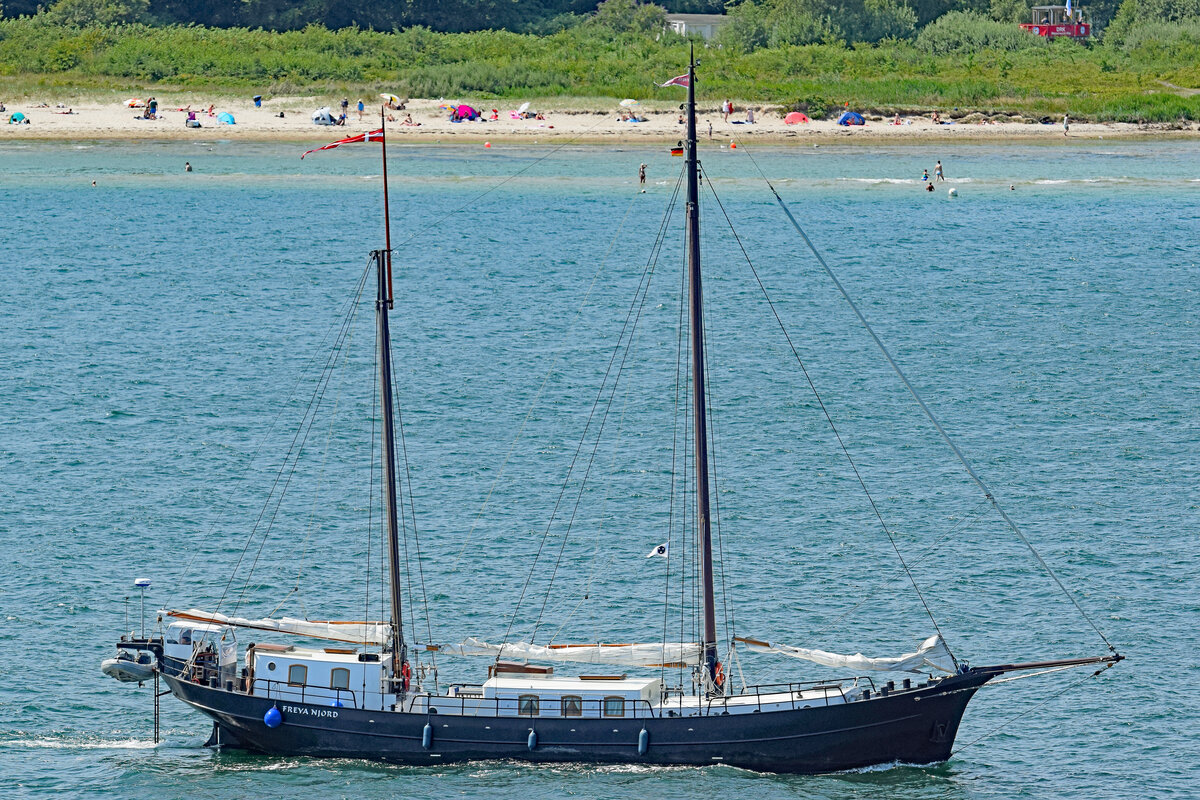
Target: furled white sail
point(362, 633)
point(932, 654)
point(632, 655)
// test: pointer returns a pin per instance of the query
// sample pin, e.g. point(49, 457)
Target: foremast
point(712, 668)
point(384, 302)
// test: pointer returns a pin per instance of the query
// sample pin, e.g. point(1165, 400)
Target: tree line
point(752, 24)
point(448, 16)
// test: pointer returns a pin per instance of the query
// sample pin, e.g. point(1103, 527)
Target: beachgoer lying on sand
point(391, 118)
point(408, 120)
point(68, 111)
point(210, 110)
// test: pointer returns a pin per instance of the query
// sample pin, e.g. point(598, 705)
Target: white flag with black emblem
point(661, 550)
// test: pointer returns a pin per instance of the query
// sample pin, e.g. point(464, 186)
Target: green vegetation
point(964, 60)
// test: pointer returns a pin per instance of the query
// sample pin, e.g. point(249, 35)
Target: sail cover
point(932, 654)
point(631, 655)
point(363, 633)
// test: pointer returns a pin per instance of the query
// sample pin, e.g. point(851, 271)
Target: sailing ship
point(370, 697)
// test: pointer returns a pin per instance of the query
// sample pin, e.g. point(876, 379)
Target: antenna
point(142, 584)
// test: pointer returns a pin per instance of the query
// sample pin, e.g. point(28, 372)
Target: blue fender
point(532, 741)
point(427, 736)
point(273, 718)
point(643, 742)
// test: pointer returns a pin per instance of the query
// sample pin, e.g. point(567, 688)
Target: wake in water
point(78, 742)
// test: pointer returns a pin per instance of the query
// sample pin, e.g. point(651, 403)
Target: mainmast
point(696, 298)
point(383, 304)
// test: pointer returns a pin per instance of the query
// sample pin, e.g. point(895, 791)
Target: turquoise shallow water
point(159, 331)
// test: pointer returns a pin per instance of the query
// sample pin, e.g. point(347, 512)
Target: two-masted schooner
point(364, 699)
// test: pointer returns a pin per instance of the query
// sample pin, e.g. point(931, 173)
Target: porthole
point(270, 666)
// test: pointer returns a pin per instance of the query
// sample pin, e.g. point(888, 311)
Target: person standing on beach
point(1066, 124)
point(726, 110)
point(642, 175)
point(361, 109)
point(710, 129)
point(937, 172)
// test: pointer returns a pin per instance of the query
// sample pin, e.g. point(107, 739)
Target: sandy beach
point(115, 121)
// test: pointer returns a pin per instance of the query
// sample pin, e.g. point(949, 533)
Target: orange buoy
point(487, 144)
point(733, 145)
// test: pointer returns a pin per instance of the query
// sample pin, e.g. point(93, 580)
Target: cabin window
point(527, 705)
point(572, 706)
point(339, 679)
point(614, 706)
point(297, 675)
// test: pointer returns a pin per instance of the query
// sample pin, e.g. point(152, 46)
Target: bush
point(1137, 13)
point(81, 13)
point(969, 32)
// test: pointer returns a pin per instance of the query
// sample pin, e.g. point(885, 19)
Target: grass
point(581, 65)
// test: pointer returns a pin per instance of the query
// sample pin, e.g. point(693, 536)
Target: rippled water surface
point(163, 333)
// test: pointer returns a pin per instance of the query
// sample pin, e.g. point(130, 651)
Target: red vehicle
point(1052, 21)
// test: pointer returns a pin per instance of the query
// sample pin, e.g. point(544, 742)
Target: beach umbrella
point(795, 117)
point(629, 103)
point(447, 106)
point(391, 98)
point(524, 107)
point(225, 118)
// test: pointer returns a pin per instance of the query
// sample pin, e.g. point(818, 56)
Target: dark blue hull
point(916, 726)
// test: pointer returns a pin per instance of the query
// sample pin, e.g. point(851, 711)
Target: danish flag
point(373, 136)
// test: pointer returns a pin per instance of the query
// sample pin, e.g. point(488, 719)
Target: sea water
point(165, 332)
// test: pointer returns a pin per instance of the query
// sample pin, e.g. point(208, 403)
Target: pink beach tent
point(795, 118)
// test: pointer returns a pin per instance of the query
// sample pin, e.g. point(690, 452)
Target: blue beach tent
point(225, 118)
point(851, 118)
